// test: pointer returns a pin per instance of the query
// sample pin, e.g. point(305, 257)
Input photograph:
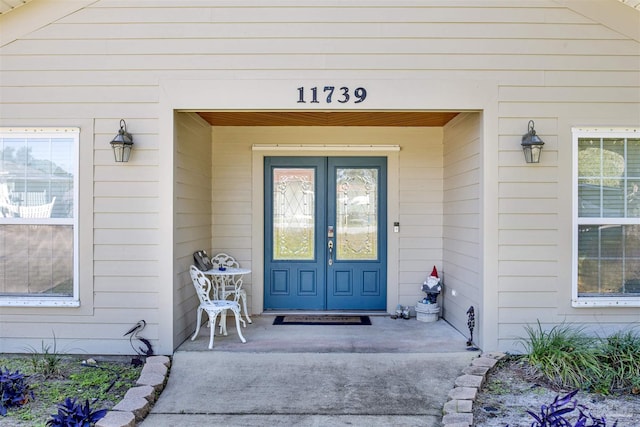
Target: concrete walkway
point(392, 373)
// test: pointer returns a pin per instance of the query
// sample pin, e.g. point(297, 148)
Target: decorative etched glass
point(293, 213)
point(356, 214)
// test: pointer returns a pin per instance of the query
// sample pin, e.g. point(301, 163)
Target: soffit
point(9, 5)
point(632, 3)
point(323, 118)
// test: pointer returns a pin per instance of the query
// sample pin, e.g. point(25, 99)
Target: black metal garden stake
point(471, 323)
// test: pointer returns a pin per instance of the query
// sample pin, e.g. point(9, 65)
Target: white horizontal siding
point(266, 46)
point(71, 78)
point(275, 62)
point(195, 30)
point(461, 220)
point(231, 200)
point(192, 220)
point(420, 231)
point(321, 12)
point(551, 63)
point(420, 239)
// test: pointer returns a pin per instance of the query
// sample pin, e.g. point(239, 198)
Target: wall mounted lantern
point(122, 143)
point(532, 144)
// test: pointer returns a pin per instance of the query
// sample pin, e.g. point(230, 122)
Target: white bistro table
point(226, 283)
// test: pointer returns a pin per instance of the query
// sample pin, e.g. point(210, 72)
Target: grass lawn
point(54, 377)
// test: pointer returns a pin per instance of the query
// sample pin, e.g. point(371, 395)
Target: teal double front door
point(325, 233)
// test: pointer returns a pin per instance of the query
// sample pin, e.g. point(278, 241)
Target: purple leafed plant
point(13, 390)
point(73, 414)
point(553, 415)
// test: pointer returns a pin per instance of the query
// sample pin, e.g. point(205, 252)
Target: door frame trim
point(257, 203)
point(324, 147)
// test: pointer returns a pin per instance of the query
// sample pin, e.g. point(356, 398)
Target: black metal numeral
point(329, 89)
point(343, 95)
point(314, 95)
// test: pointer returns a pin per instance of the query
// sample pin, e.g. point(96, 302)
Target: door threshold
point(323, 313)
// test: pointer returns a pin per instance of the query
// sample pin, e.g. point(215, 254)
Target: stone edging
point(458, 411)
point(136, 403)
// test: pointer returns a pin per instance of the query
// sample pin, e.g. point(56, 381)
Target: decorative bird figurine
point(133, 334)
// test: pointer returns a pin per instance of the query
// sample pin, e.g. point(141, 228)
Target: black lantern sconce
point(531, 145)
point(122, 144)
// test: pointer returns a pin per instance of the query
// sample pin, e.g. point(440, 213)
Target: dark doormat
point(299, 319)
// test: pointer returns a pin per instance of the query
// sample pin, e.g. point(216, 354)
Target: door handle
point(330, 244)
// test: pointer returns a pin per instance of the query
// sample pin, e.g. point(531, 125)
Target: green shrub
point(47, 361)
point(564, 355)
point(619, 356)
point(567, 358)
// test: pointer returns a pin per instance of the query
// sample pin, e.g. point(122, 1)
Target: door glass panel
point(356, 214)
point(293, 213)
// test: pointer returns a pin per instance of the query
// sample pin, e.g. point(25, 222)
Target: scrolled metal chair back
point(201, 283)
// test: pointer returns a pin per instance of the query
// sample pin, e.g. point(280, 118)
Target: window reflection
point(36, 177)
point(37, 219)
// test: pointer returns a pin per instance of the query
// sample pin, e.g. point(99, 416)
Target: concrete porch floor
point(384, 335)
point(393, 372)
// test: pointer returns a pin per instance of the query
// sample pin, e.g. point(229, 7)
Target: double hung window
point(607, 217)
point(38, 216)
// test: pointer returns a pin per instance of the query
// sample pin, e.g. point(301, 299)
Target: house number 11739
point(328, 94)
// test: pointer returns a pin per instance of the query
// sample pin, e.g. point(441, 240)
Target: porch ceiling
point(321, 118)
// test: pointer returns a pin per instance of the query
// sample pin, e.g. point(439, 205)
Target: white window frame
point(596, 301)
point(50, 301)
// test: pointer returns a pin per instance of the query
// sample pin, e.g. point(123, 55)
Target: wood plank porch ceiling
point(322, 118)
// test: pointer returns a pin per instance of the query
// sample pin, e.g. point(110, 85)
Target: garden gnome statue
point(432, 286)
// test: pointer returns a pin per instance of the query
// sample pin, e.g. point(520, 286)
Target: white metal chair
point(4, 199)
point(6, 206)
point(37, 211)
point(230, 285)
point(212, 307)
